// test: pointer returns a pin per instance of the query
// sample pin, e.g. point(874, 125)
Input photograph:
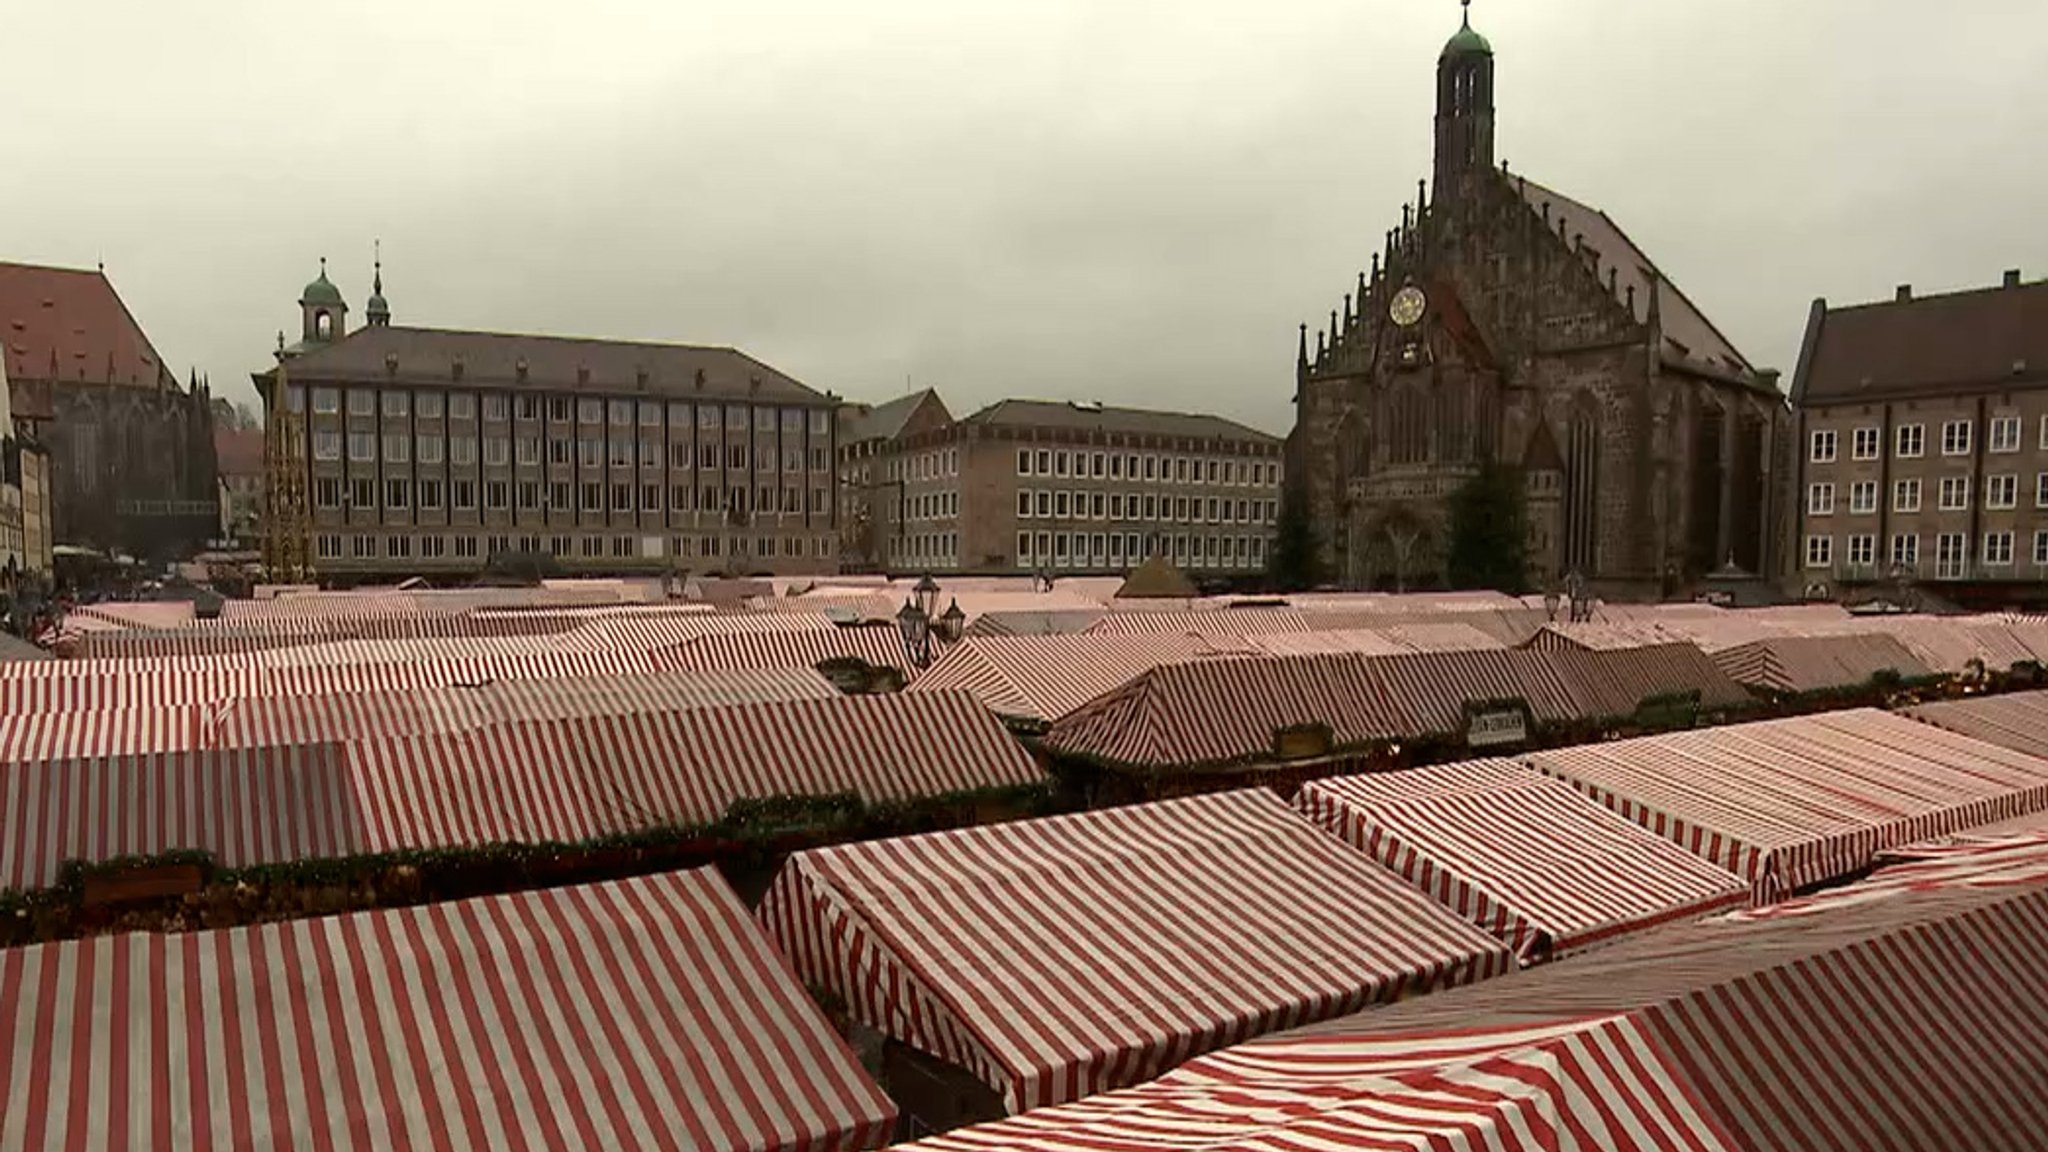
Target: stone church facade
point(1505, 320)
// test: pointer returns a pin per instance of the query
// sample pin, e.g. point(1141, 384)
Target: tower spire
point(378, 310)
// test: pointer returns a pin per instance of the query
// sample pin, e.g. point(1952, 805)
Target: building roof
point(429, 356)
point(70, 324)
point(884, 421)
point(1089, 417)
point(1157, 579)
point(1690, 339)
point(1960, 341)
point(238, 450)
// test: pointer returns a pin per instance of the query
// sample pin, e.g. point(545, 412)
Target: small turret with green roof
point(321, 290)
point(1466, 42)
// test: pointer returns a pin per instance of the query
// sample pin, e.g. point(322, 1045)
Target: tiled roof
point(1959, 340)
point(70, 324)
point(883, 421)
point(1689, 337)
point(238, 450)
point(1099, 418)
point(429, 356)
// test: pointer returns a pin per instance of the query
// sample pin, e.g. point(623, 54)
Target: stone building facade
point(130, 450)
point(1059, 487)
point(429, 451)
point(1505, 320)
point(1923, 434)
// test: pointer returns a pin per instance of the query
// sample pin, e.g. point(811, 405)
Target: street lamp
point(952, 623)
point(927, 593)
point(1581, 604)
point(916, 629)
point(1550, 602)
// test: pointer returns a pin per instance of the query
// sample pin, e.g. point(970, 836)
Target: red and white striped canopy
point(1059, 957)
point(1046, 677)
point(646, 1013)
point(63, 735)
point(1913, 1022)
point(1795, 664)
point(881, 647)
point(580, 778)
point(1790, 803)
point(2017, 720)
point(1525, 857)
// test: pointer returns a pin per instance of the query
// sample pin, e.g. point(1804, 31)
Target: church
point(1504, 320)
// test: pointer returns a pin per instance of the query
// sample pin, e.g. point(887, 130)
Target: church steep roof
point(1690, 339)
point(885, 421)
point(68, 324)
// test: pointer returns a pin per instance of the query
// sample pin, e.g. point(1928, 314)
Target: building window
point(463, 494)
point(2041, 547)
point(1951, 556)
point(362, 402)
point(1862, 551)
point(1820, 499)
point(461, 406)
point(1823, 446)
point(362, 446)
point(1024, 469)
point(1906, 550)
point(465, 547)
point(2041, 490)
point(427, 406)
point(1912, 441)
point(397, 547)
point(394, 494)
point(2005, 434)
point(589, 452)
point(1864, 446)
point(326, 445)
point(1023, 547)
point(1820, 551)
point(462, 451)
point(591, 547)
point(1097, 505)
point(1098, 466)
point(328, 548)
point(363, 547)
point(429, 449)
point(494, 407)
point(2002, 491)
point(497, 451)
point(1059, 463)
point(396, 403)
point(1955, 438)
point(1863, 497)
point(496, 494)
point(1906, 495)
point(650, 497)
point(622, 412)
point(1059, 504)
point(433, 547)
point(430, 494)
point(395, 446)
point(363, 494)
point(529, 495)
point(678, 455)
point(622, 498)
point(1998, 549)
point(1955, 493)
point(1116, 505)
point(593, 497)
point(529, 450)
point(1044, 502)
point(326, 402)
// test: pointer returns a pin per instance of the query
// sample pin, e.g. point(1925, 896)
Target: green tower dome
point(1466, 42)
point(321, 291)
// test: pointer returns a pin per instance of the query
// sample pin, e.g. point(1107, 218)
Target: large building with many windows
point(428, 451)
point(1923, 426)
point(1058, 487)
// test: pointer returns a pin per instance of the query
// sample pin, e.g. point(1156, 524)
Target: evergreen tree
point(1294, 565)
point(1489, 546)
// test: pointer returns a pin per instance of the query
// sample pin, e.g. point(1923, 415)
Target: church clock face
point(1408, 306)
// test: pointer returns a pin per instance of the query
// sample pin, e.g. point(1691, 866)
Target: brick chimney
point(2012, 277)
point(1905, 293)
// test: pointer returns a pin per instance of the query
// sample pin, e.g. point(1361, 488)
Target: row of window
point(2000, 493)
point(1100, 549)
point(560, 496)
point(1951, 551)
point(398, 403)
point(587, 453)
point(1043, 505)
point(931, 549)
point(1909, 441)
point(934, 505)
point(363, 546)
point(1062, 464)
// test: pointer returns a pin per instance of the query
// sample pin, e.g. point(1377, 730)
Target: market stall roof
point(1791, 665)
point(1912, 1020)
point(1790, 803)
point(644, 1013)
point(1059, 957)
point(2016, 720)
point(1526, 857)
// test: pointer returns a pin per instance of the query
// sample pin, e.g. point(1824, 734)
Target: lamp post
point(926, 592)
point(916, 629)
point(952, 623)
point(1581, 604)
point(1550, 602)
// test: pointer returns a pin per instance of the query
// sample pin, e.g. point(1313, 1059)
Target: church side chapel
point(1503, 320)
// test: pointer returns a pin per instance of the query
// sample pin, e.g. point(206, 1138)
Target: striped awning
point(1913, 1022)
point(79, 734)
point(645, 1013)
point(582, 778)
point(1790, 803)
point(1059, 957)
point(1526, 857)
point(1046, 677)
point(1795, 664)
point(880, 646)
point(2017, 720)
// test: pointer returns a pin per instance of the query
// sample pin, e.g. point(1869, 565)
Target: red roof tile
point(70, 324)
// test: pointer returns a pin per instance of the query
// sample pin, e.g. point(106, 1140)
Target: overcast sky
point(1133, 202)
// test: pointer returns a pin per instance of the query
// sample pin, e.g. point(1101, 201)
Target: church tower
point(1464, 109)
point(378, 311)
point(322, 309)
